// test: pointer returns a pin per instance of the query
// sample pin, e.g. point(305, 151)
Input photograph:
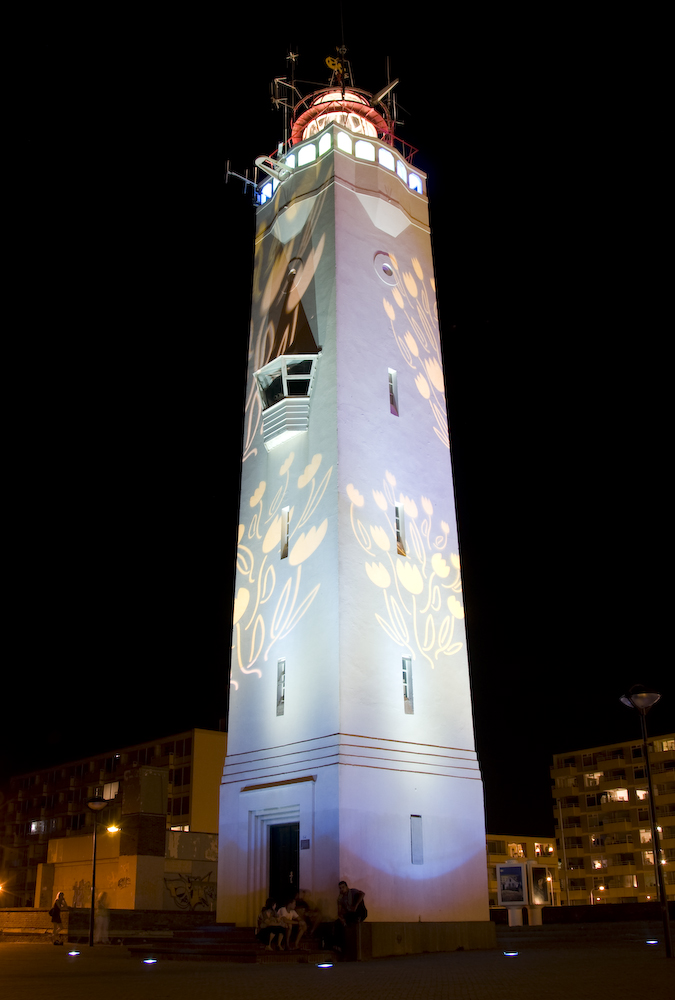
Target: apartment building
point(601, 812)
point(50, 804)
point(502, 848)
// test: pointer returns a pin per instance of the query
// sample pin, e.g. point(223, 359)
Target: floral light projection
point(419, 591)
point(414, 323)
point(256, 627)
point(274, 315)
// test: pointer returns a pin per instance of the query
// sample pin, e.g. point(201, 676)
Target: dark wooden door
point(284, 861)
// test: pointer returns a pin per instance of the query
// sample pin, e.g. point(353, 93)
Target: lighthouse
point(350, 744)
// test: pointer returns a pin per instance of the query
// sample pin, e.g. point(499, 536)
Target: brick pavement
point(539, 973)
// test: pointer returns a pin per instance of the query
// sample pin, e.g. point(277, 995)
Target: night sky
point(126, 376)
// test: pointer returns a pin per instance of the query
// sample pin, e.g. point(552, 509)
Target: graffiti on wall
point(192, 892)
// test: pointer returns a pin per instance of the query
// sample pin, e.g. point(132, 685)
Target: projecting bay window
point(284, 377)
point(284, 386)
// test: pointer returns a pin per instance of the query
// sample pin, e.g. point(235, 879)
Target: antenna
point(247, 182)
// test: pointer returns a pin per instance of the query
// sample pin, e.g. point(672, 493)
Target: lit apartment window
point(110, 789)
point(408, 704)
point(281, 686)
point(416, 853)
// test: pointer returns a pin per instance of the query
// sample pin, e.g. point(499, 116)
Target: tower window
point(400, 530)
point(344, 142)
point(364, 150)
point(386, 158)
point(408, 704)
point(281, 686)
point(393, 392)
point(307, 154)
point(285, 511)
point(416, 852)
point(284, 377)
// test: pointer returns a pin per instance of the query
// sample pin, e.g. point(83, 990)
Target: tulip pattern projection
point(420, 348)
point(420, 591)
point(261, 600)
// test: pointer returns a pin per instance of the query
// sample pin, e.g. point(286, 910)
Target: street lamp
point(96, 804)
point(643, 698)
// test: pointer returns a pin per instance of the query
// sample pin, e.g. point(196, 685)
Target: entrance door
point(284, 861)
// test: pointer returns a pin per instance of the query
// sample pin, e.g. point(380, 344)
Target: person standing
point(101, 919)
point(351, 910)
point(55, 913)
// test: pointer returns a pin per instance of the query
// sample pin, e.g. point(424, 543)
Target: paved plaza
point(538, 973)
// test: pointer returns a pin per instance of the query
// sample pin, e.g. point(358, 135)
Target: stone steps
point(579, 935)
point(230, 944)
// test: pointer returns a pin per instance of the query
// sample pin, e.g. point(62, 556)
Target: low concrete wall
point(35, 924)
point(378, 940)
point(27, 923)
point(602, 913)
point(605, 913)
point(137, 924)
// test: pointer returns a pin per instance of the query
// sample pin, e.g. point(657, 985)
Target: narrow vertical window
point(408, 704)
point(416, 852)
point(393, 392)
point(400, 530)
point(284, 531)
point(281, 686)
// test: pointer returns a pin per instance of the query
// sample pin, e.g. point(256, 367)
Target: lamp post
point(96, 805)
point(643, 698)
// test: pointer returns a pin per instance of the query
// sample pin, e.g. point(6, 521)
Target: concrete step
point(579, 935)
point(230, 944)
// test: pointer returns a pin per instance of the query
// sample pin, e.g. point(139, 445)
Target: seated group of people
point(278, 924)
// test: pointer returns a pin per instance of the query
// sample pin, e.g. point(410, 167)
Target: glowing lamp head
point(640, 697)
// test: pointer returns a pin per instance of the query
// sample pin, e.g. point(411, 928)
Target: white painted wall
point(344, 608)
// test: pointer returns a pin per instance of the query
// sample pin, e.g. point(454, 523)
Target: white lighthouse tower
point(351, 747)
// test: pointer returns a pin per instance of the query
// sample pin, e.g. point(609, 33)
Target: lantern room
point(347, 108)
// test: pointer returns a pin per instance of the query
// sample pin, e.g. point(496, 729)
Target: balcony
point(559, 770)
point(605, 755)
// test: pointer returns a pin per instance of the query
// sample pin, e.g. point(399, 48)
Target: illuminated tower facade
point(351, 747)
